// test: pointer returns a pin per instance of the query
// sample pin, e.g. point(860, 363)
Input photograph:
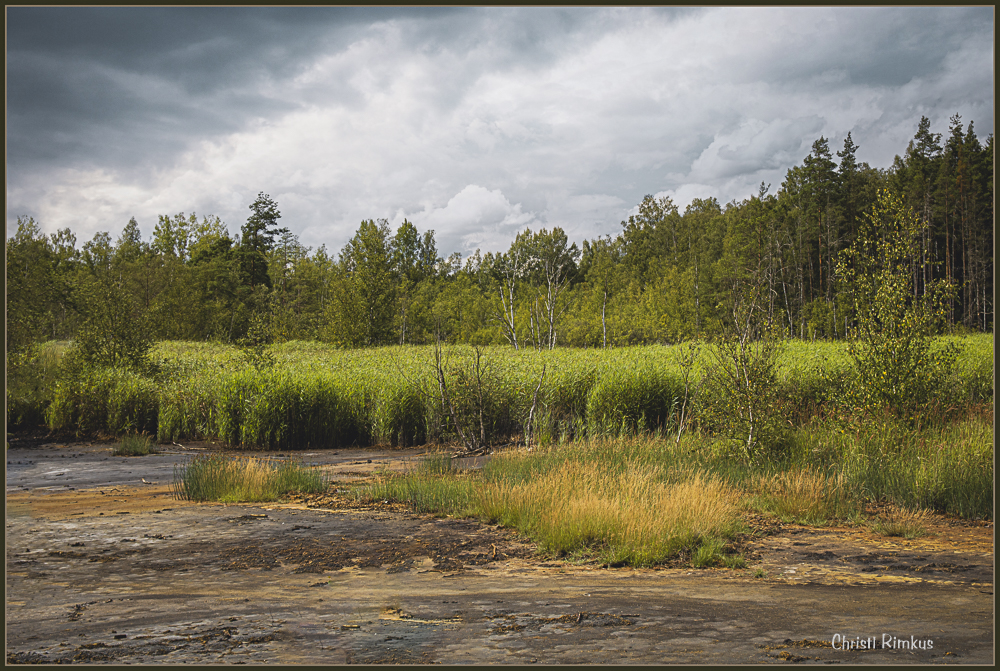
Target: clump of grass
point(708, 554)
point(734, 561)
point(713, 553)
point(136, 445)
point(804, 495)
point(431, 487)
point(901, 522)
point(243, 479)
point(629, 517)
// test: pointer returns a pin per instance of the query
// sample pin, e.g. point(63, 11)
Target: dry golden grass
point(631, 515)
point(804, 495)
point(896, 521)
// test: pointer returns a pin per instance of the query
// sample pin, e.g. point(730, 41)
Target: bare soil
point(104, 565)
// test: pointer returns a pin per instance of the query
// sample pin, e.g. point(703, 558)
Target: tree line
point(667, 276)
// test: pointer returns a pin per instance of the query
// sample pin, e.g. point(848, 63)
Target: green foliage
point(255, 345)
point(898, 369)
point(111, 401)
point(364, 306)
point(257, 240)
point(741, 394)
point(116, 333)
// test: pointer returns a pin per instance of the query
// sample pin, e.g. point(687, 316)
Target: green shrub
point(899, 369)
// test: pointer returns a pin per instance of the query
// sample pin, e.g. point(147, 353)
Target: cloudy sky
point(474, 122)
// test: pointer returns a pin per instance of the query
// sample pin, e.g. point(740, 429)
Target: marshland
point(592, 410)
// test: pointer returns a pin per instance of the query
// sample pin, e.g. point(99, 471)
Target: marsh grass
point(627, 517)
point(317, 395)
point(135, 445)
point(424, 493)
point(242, 479)
point(948, 468)
point(436, 464)
point(612, 504)
point(640, 500)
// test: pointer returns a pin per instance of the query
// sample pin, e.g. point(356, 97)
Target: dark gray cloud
point(86, 83)
point(472, 121)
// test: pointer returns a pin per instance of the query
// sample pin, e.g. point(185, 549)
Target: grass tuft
point(901, 522)
point(243, 479)
point(136, 445)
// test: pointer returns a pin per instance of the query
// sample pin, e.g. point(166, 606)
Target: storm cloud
point(475, 122)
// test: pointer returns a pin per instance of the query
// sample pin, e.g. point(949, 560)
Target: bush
point(899, 369)
point(117, 333)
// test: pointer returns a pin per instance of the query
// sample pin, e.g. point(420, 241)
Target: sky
point(474, 122)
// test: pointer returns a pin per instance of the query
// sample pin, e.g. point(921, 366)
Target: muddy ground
point(104, 565)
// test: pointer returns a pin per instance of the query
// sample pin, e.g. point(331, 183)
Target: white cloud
point(477, 217)
point(478, 142)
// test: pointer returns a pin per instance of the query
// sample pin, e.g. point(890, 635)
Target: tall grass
point(320, 396)
point(629, 517)
point(805, 495)
point(947, 468)
point(242, 479)
point(628, 507)
point(640, 500)
point(108, 401)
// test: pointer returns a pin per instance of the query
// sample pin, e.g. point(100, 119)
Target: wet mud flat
point(118, 571)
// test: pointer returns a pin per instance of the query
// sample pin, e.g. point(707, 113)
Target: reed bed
point(319, 396)
point(242, 479)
